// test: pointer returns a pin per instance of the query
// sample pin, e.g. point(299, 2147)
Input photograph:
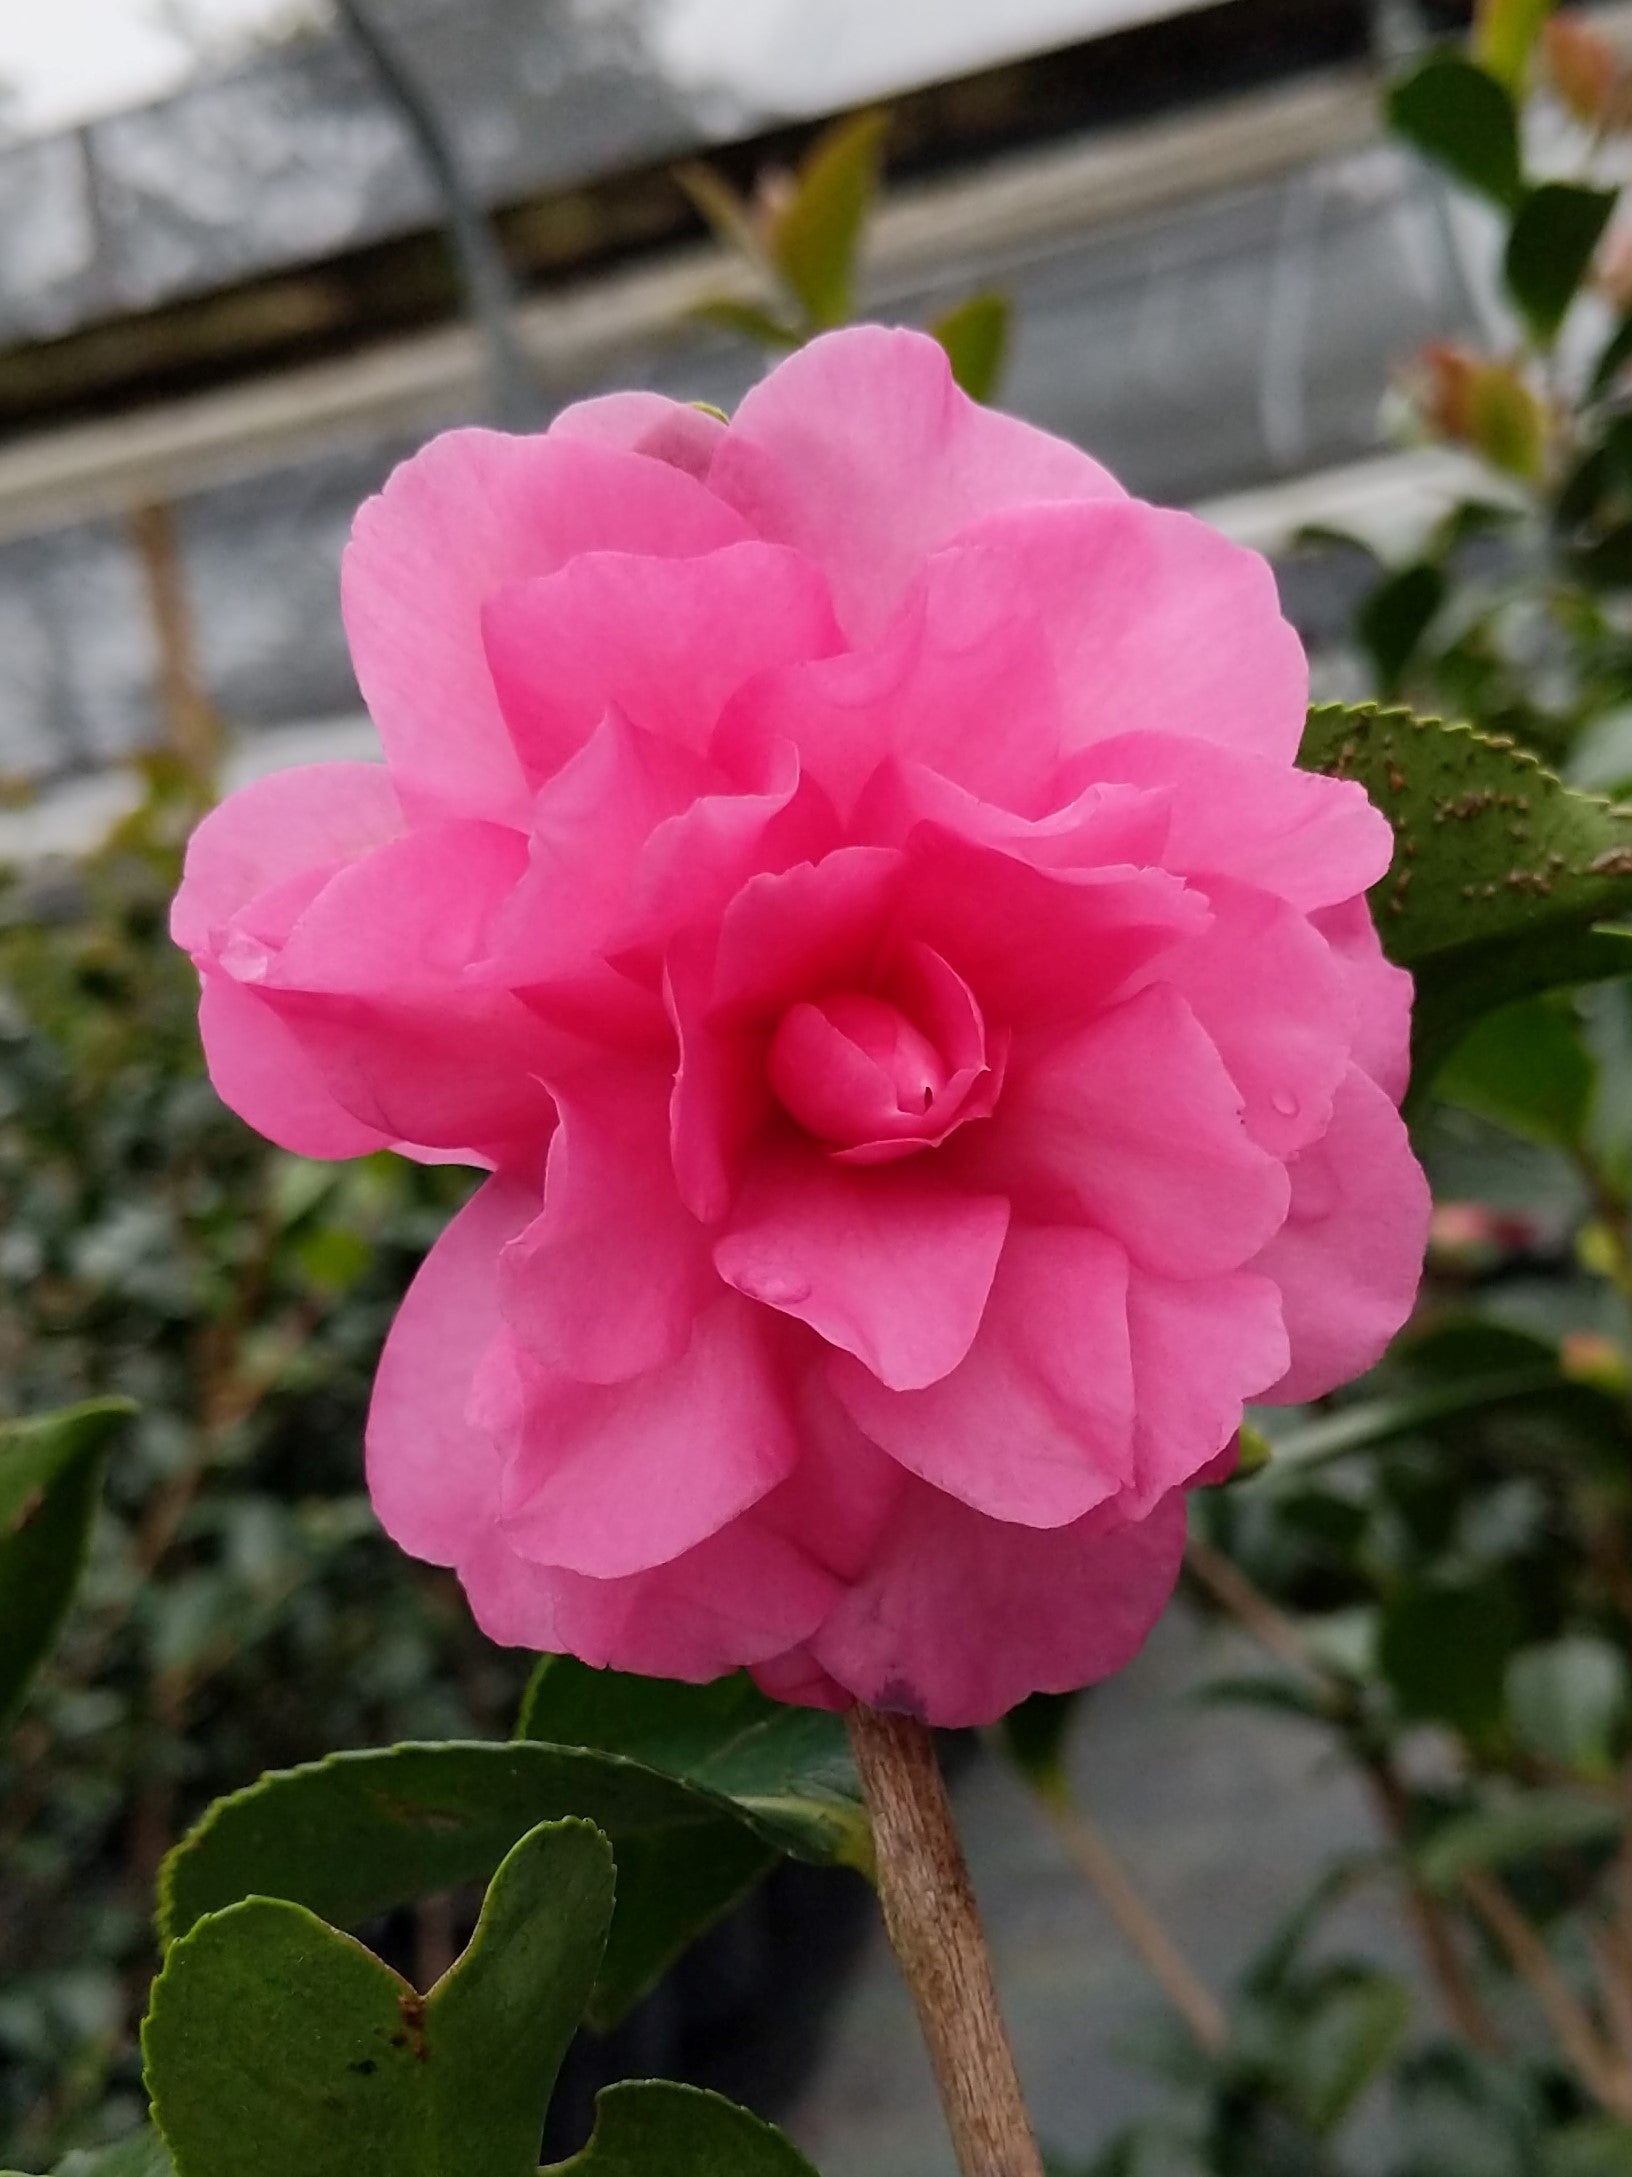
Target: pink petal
point(1200, 1350)
point(371, 980)
point(1312, 839)
point(1039, 948)
point(1379, 992)
point(1349, 1258)
point(614, 1479)
point(861, 452)
point(960, 1617)
point(259, 1069)
point(890, 1263)
point(607, 1282)
point(678, 432)
point(720, 1100)
point(433, 1476)
point(315, 816)
point(664, 641)
point(1035, 1425)
point(799, 1679)
point(473, 511)
point(696, 861)
point(955, 659)
point(591, 825)
point(839, 1498)
point(1132, 1124)
point(741, 1597)
point(1156, 623)
point(1266, 989)
point(1099, 826)
point(800, 932)
point(786, 935)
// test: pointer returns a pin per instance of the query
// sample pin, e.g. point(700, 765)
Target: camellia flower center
point(877, 1079)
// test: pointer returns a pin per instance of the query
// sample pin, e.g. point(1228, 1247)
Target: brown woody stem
point(934, 1926)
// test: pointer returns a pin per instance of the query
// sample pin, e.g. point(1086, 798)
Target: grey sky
point(66, 60)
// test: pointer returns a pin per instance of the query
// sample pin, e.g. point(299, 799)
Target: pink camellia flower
point(844, 874)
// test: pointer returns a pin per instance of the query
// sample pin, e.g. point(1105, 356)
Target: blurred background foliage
point(1435, 1570)
point(240, 1609)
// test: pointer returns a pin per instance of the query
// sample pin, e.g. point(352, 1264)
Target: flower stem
point(934, 1926)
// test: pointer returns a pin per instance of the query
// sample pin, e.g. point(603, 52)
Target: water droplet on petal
point(1285, 1103)
point(245, 958)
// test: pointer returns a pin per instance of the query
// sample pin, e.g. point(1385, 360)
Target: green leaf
point(1526, 1067)
point(730, 219)
point(1550, 248)
point(1458, 115)
point(1283, 1696)
point(1035, 1736)
point(653, 2129)
point(1598, 2148)
point(748, 321)
point(786, 1770)
point(1503, 876)
point(975, 334)
point(1370, 1423)
point(276, 2047)
point(50, 1480)
point(1567, 1702)
point(1444, 1647)
point(1616, 353)
point(814, 236)
point(1352, 2024)
point(360, 1832)
point(1394, 616)
point(1502, 1836)
point(1504, 36)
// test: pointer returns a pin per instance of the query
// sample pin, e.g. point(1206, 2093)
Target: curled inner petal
point(879, 1073)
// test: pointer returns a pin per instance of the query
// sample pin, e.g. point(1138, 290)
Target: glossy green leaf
point(277, 2047)
point(1567, 1702)
point(1503, 1836)
point(975, 334)
point(1369, 1424)
point(1444, 1647)
point(1504, 37)
point(652, 2129)
point(785, 1770)
point(1503, 877)
point(353, 1835)
point(1526, 1067)
point(1394, 616)
point(1351, 2024)
point(1615, 354)
point(1461, 117)
point(814, 236)
point(50, 1481)
point(1550, 249)
point(1035, 1736)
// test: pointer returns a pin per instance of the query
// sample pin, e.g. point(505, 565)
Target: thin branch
point(1268, 1624)
point(1138, 1923)
point(484, 277)
point(1432, 1926)
point(1574, 2027)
